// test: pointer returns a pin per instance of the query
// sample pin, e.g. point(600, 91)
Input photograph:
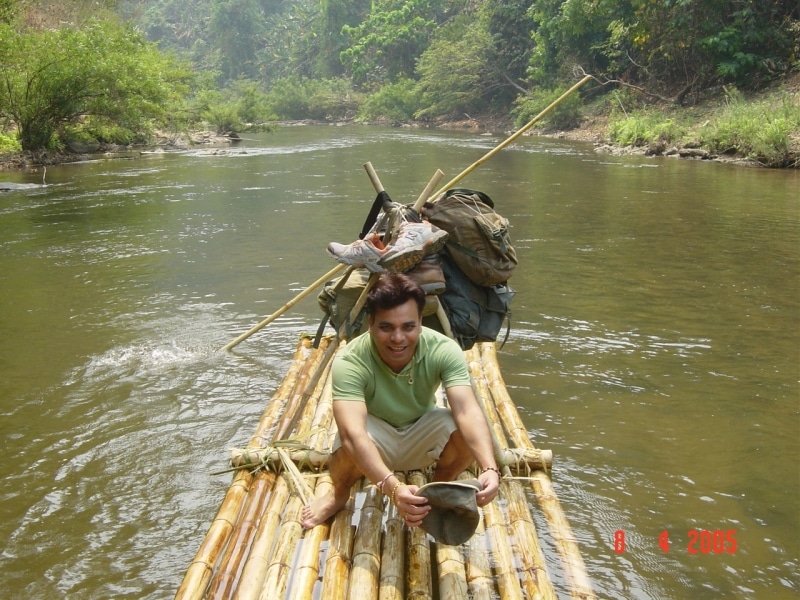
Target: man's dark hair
point(392, 290)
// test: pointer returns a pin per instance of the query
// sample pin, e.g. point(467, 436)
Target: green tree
point(385, 46)
point(102, 74)
point(461, 72)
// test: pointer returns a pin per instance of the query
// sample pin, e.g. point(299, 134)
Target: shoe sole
point(371, 267)
point(405, 260)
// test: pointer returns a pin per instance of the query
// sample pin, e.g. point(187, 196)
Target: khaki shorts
point(414, 446)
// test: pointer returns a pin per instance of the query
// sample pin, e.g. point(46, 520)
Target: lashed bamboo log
point(201, 570)
point(280, 567)
point(227, 575)
point(307, 572)
point(392, 582)
point(452, 569)
point(532, 572)
point(478, 569)
point(340, 552)
point(307, 381)
point(255, 568)
point(418, 573)
point(567, 547)
point(236, 553)
point(273, 408)
point(504, 569)
point(365, 572)
point(565, 542)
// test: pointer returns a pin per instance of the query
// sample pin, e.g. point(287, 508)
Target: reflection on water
point(654, 348)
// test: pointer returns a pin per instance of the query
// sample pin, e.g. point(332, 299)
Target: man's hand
point(490, 481)
point(412, 508)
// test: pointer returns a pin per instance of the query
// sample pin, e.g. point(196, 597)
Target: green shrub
point(395, 102)
point(759, 131)
point(301, 98)
point(644, 128)
point(9, 144)
point(566, 115)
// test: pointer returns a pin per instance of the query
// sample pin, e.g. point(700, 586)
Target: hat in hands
point(454, 514)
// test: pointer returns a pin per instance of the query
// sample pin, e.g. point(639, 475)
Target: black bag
point(478, 238)
point(476, 313)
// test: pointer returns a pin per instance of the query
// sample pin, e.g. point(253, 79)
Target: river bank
point(758, 130)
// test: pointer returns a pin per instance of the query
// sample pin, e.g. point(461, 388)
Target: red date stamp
point(700, 541)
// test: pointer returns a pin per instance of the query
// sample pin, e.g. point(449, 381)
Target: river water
point(655, 349)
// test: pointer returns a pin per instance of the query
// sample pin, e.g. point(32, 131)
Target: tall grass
point(767, 131)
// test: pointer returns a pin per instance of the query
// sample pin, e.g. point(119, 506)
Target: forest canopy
point(69, 68)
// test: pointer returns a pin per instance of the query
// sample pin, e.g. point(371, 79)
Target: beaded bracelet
point(496, 470)
point(383, 481)
point(394, 490)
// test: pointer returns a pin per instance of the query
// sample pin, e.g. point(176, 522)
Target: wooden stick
point(379, 188)
point(511, 138)
point(329, 275)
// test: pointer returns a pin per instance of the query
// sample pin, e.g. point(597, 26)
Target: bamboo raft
point(256, 548)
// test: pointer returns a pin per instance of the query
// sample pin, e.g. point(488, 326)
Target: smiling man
point(384, 403)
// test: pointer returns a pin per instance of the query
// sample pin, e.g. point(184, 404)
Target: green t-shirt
point(360, 375)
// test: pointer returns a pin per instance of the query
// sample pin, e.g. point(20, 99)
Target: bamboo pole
point(418, 572)
point(255, 329)
point(308, 572)
point(255, 568)
point(365, 572)
point(201, 570)
point(532, 572)
point(392, 582)
point(340, 552)
point(333, 272)
point(280, 567)
point(478, 570)
point(235, 555)
point(273, 410)
point(504, 570)
point(511, 138)
point(451, 568)
point(566, 545)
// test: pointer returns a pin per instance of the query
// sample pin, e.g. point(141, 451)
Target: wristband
point(383, 481)
point(394, 490)
point(495, 469)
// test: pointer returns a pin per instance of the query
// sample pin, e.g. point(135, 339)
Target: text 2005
point(704, 541)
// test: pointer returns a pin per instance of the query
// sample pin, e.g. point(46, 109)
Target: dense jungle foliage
point(113, 70)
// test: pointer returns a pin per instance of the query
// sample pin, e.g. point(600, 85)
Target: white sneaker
point(414, 241)
point(361, 253)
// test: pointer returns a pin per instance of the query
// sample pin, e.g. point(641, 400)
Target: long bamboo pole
point(333, 272)
point(329, 275)
point(512, 137)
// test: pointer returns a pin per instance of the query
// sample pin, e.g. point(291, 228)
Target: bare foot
point(321, 509)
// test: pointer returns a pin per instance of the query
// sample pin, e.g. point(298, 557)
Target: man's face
point(395, 333)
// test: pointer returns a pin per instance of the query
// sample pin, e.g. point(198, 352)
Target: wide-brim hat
point(454, 514)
